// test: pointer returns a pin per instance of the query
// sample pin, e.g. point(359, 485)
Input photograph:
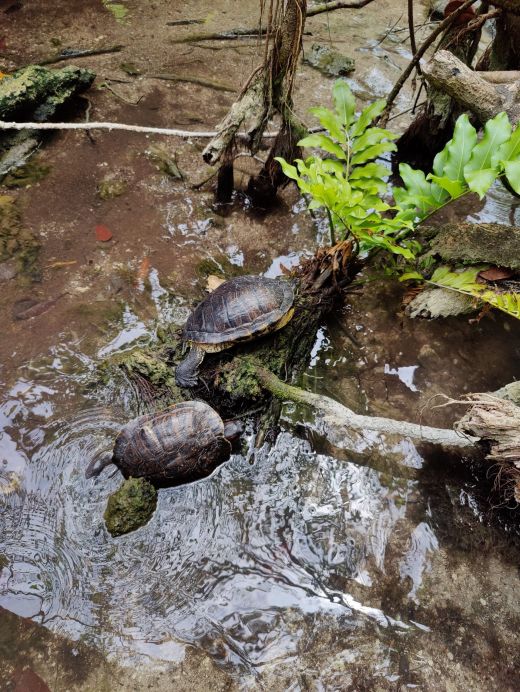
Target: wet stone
point(328, 61)
point(8, 271)
point(130, 507)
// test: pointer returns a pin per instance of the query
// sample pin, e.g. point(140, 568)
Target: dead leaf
point(214, 282)
point(144, 269)
point(26, 308)
point(28, 681)
point(103, 233)
point(496, 274)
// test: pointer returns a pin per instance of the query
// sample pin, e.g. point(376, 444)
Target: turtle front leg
point(187, 372)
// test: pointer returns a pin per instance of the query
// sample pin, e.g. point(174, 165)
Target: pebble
point(8, 271)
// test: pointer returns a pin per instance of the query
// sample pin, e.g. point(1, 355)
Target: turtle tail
point(187, 371)
point(98, 463)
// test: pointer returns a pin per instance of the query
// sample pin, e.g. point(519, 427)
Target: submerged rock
point(440, 302)
point(328, 61)
point(130, 507)
point(19, 247)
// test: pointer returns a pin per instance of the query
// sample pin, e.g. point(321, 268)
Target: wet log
point(471, 90)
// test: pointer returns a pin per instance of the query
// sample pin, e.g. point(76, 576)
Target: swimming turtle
point(183, 442)
point(238, 310)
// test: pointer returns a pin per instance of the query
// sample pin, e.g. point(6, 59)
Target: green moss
point(36, 92)
point(111, 186)
point(26, 175)
point(219, 265)
point(239, 379)
point(130, 507)
point(16, 242)
point(164, 161)
point(4, 561)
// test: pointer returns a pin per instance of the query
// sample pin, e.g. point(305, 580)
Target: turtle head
point(233, 429)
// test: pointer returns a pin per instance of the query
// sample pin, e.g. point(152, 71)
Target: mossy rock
point(474, 243)
point(130, 507)
point(28, 174)
point(38, 92)
point(328, 61)
point(111, 186)
point(17, 243)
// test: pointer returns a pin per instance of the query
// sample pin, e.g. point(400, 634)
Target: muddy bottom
point(293, 567)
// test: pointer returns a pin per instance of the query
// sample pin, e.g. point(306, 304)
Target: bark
point(269, 91)
point(470, 90)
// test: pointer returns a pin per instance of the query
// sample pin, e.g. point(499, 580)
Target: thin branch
point(411, 28)
point(330, 6)
point(117, 126)
point(445, 24)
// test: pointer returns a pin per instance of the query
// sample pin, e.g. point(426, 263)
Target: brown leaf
point(214, 282)
point(28, 681)
point(496, 274)
point(144, 269)
point(103, 233)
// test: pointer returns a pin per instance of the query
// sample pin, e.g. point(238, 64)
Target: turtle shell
point(239, 309)
point(183, 442)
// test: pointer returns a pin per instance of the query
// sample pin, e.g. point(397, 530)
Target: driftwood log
point(484, 95)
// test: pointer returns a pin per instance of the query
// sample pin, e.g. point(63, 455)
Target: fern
point(466, 282)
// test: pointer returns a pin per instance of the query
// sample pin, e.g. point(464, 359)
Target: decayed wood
point(471, 90)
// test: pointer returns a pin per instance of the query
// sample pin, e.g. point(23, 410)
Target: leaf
point(480, 181)
point(453, 187)
point(496, 274)
point(510, 150)
point(485, 153)
point(367, 116)
point(374, 135)
point(512, 172)
point(330, 121)
point(289, 170)
point(344, 101)
point(370, 170)
point(411, 276)
point(323, 142)
point(459, 149)
point(372, 153)
point(103, 233)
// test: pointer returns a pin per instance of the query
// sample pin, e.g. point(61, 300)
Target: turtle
point(183, 442)
point(238, 310)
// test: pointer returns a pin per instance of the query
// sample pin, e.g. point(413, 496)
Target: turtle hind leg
point(186, 372)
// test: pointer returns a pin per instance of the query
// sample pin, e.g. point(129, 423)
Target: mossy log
point(38, 94)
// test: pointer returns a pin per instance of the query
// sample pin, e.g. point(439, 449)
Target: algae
point(164, 161)
point(130, 507)
point(36, 93)
point(111, 186)
point(17, 243)
point(328, 61)
point(26, 175)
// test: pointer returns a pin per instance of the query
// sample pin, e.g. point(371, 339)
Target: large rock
point(130, 507)
point(328, 61)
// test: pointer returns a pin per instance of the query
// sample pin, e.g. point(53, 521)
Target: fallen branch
point(470, 89)
point(75, 54)
point(343, 421)
point(208, 83)
point(330, 6)
point(120, 126)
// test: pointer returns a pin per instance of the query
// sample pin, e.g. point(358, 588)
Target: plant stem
point(331, 225)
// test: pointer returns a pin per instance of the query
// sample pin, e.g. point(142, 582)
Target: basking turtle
point(238, 310)
point(183, 442)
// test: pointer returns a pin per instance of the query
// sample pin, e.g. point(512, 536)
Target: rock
point(130, 507)
point(440, 302)
point(328, 61)
point(474, 243)
point(8, 271)
point(111, 186)
point(19, 248)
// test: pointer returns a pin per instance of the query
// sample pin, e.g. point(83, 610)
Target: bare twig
point(411, 28)
point(75, 55)
point(418, 55)
point(118, 126)
point(330, 6)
